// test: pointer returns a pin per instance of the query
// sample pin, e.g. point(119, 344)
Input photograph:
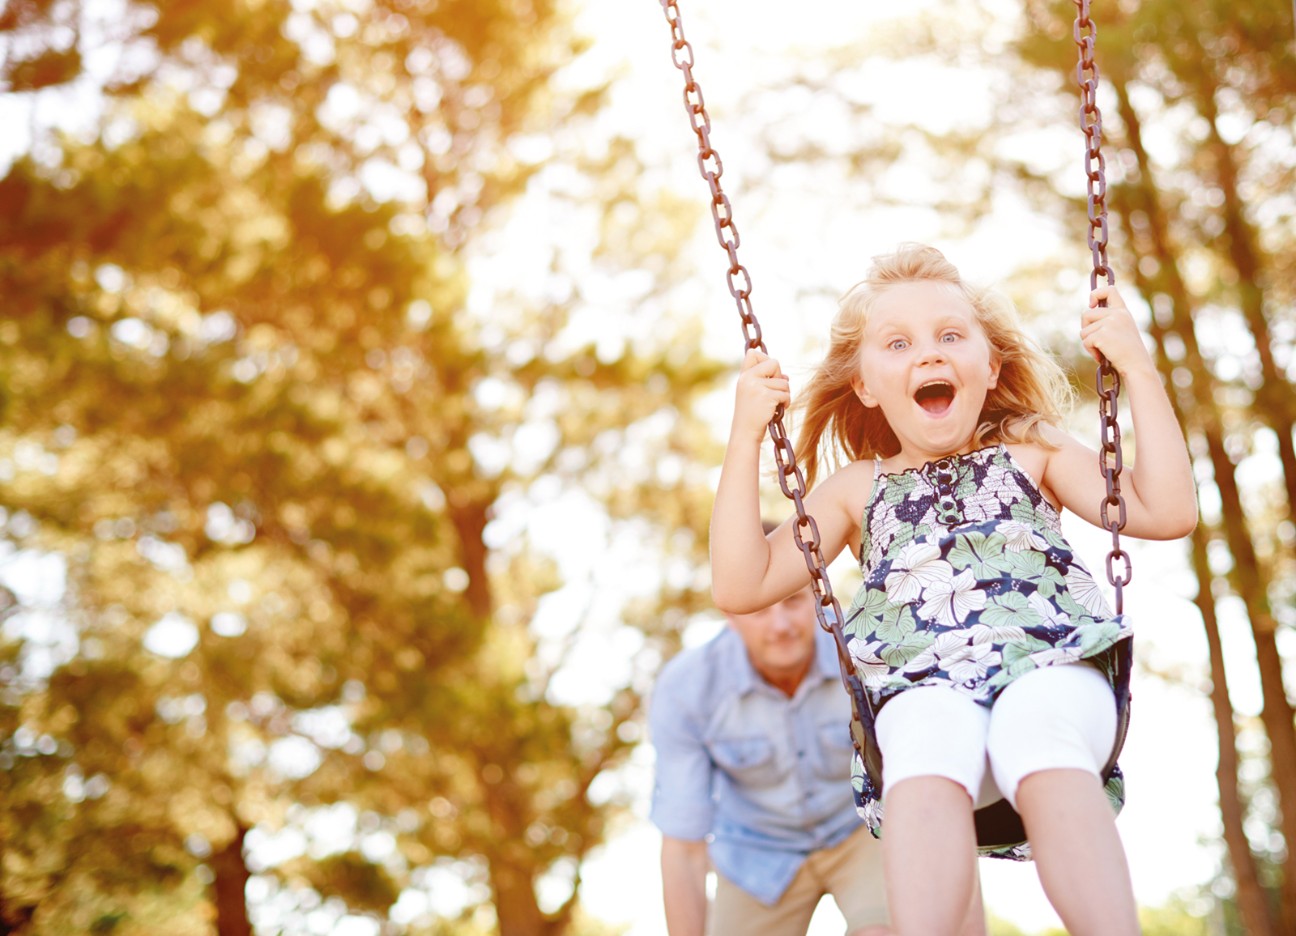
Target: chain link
point(1110, 460)
point(791, 479)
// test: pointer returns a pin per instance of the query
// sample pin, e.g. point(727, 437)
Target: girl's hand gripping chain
point(761, 388)
point(740, 553)
point(1112, 332)
point(1161, 495)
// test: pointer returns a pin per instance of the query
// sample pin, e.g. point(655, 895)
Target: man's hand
point(684, 871)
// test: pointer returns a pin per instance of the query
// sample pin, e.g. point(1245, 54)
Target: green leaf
point(1018, 650)
point(899, 487)
point(896, 624)
point(984, 555)
point(913, 644)
point(869, 605)
point(1010, 609)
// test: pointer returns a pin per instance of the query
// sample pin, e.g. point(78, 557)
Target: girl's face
point(925, 361)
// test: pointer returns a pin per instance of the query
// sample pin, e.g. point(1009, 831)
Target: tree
point(256, 422)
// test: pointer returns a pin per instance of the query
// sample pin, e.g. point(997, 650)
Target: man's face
point(780, 639)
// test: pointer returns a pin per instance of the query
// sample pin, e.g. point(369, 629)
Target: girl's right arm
point(750, 571)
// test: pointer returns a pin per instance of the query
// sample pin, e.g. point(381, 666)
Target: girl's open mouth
point(935, 397)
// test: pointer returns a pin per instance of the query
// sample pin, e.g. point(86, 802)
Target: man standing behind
point(753, 777)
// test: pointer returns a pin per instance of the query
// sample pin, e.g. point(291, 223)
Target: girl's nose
point(931, 354)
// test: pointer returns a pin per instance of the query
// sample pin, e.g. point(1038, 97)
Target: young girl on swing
point(982, 641)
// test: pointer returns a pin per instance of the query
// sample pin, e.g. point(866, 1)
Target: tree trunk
point(1276, 713)
point(1252, 902)
point(1273, 400)
point(516, 908)
point(14, 920)
point(1273, 407)
point(512, 873)
point(230, 887)
point(470, 518)
point(1253, 905)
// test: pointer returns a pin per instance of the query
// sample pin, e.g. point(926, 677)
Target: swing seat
point(999, 827)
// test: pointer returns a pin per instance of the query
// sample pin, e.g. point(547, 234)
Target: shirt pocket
point(747, 761)
point(835, 750)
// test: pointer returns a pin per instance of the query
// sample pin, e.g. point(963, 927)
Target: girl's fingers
point(1109, 293)
point(763, 367)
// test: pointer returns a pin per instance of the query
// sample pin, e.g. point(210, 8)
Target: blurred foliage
point(998, 927)
point(1178, 917)
point(267, 469)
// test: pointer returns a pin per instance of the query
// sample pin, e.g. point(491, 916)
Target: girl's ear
point(994, 373)
point(861, 391)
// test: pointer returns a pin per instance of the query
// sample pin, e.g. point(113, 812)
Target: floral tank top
point(969, 584)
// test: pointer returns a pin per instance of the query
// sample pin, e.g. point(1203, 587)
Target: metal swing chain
point(790, 477)
point(1110, 461)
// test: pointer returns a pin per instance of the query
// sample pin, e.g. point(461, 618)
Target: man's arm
point(684, 872)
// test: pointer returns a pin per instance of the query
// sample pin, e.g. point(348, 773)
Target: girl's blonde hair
point(1032, 389)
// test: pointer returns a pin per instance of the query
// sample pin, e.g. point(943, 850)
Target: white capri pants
point(1053, 717)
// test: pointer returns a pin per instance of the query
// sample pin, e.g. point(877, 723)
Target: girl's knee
point(1053, 784)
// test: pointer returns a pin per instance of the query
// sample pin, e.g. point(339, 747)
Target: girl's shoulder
point(856, 477)
point(852, 483)
point(1031, 457)
point(849, 490)
point(1035, 458)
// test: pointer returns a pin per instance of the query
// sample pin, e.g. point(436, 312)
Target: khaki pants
point(850, 871)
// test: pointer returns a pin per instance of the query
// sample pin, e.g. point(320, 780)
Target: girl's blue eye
point(898, 344)
point(950, 336)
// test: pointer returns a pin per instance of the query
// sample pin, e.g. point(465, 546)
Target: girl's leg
point(929, 851)
point(933, 755)
point(974, 923)
point(1050, 733)
point(1078, 852)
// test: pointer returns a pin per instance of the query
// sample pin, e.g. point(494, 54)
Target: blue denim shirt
point(763, 777)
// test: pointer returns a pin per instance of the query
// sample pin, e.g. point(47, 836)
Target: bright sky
point(1169, 758)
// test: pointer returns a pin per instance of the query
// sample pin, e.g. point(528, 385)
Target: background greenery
point(297, 473)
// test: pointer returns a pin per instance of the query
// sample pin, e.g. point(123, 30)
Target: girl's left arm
point(1159, 491)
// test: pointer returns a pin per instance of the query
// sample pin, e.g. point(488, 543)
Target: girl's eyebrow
point(955, 319)
point(890, 324)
